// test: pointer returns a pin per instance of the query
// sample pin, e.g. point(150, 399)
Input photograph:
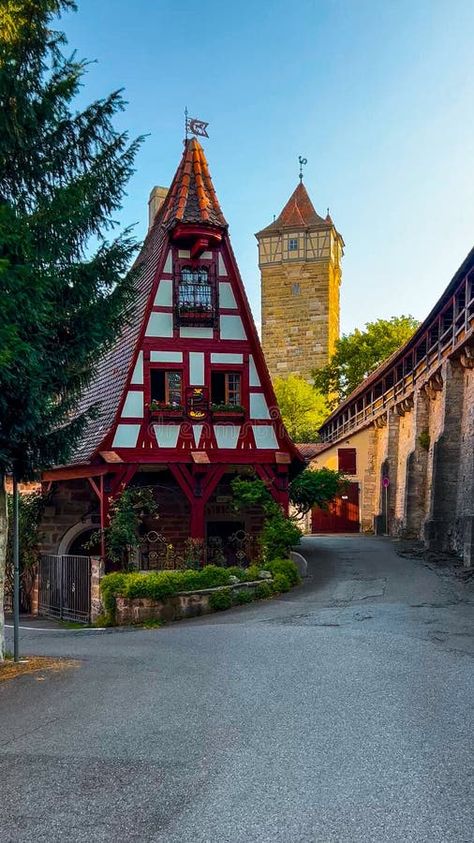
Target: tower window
point(295, 289)
point(293, 244)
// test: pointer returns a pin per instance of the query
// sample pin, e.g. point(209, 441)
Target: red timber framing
point(192, 321)
point(447, 330)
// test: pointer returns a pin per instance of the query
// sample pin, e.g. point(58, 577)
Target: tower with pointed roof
point(184, 401)
point(300, 264)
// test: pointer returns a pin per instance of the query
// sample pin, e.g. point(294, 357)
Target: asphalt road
point(339, 713)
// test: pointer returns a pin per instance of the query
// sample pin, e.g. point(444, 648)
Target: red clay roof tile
point(299, 212)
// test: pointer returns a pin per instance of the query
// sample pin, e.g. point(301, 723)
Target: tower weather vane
point(194, 126)
point(302, 162)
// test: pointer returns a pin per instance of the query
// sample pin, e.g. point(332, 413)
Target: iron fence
point(65, 587)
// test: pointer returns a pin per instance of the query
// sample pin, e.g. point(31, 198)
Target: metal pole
point(386, 510)
point(16, 573)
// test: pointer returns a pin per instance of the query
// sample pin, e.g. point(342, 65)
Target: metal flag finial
point(302, 162)
point(195, 126)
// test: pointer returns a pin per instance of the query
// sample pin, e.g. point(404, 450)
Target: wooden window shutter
point(347, 460)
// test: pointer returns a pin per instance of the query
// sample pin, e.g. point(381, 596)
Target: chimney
point(157, 197)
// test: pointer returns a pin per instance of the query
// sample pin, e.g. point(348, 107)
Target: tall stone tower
point(300, 264)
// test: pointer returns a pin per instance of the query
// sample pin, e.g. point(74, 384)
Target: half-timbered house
point(184, 399)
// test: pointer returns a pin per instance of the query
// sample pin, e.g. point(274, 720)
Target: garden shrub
point(279, 535)
point(110, 586)
point(159, 585)
point(280, 583)
point(155, 586)
point(243, 596)
point(220, 600)
point(240, 573)
point(286, 567)
point(263, 591)
point(212, 575)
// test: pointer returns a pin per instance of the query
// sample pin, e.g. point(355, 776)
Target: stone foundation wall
point(187, 604)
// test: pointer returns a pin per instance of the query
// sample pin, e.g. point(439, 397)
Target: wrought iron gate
point(65, 587)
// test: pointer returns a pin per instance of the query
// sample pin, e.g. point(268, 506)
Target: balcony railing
point(195, 305)
point(447, 331)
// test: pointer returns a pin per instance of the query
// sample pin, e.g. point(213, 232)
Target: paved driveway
point(339, 713)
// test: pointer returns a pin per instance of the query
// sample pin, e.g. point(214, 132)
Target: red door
point(342, 515)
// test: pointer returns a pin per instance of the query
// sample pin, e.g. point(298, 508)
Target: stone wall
point(187, 604)
point(72, 502)
point(300, 316)
point(425, 444)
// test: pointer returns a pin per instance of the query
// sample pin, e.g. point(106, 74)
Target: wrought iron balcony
point(195, 305)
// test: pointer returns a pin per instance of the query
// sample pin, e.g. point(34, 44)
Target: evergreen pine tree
point(64, 291)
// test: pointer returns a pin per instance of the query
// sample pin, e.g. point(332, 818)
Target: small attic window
point(293, 244)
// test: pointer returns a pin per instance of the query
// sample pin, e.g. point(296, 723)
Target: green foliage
point(248, 492)
point(160, 585)
point(303, 408)
point(110, 586)
point(240, 573)
point(279, 534)
point(155, 585)
point(64, 293)
point(286, 567)
point(425, 440)
point(359, 353)
point(242, 597)
point(126, 514)
point(30, 510)
point(220, 600)
point(263, 591)
point(193, 553)
point(281, 583)
point(227, 408)
point(315, 488)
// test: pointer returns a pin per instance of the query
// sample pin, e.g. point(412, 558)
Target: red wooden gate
point(342, 515)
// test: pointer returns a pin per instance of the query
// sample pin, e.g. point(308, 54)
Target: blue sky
point(376, 94)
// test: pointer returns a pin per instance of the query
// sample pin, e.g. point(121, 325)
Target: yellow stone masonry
point(300, 279)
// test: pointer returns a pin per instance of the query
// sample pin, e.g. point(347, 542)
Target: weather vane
point(194, 126)
point(302, 162)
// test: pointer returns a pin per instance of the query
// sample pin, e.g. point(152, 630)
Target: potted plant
point(227, 411)
point(163, 409)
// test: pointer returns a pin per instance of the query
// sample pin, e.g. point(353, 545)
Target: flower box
point(166, 412)
point(228, 413)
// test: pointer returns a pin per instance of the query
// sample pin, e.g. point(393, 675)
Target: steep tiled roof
point(299, 212)
point(192, 197)
point(109, 382)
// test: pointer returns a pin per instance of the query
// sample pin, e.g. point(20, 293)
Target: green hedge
point(158, 585)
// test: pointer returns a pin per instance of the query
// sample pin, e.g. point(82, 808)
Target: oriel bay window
point(226, 389)
point(195, 301)
point(166, 388)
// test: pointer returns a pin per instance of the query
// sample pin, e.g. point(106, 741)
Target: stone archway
point(73, 533)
